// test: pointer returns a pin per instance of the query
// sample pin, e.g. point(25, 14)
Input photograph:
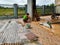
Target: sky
point(23, 2)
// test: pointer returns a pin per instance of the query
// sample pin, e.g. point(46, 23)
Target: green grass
point(5, 11)
point(10, 11)
point(39, 10)
point(21, 11)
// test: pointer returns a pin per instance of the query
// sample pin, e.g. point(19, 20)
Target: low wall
point(7, 17)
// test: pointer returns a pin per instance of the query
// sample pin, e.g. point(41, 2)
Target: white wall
point(57, 9)
point(57, 3)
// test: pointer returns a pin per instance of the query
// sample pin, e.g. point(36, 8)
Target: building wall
point(57, 3)
point(58, 9)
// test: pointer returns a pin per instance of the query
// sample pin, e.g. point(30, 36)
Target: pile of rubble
point(12, 32)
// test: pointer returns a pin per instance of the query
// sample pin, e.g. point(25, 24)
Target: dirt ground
point(46, 35)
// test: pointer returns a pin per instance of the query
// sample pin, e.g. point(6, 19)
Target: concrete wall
point(57, 3)
point(58, 9)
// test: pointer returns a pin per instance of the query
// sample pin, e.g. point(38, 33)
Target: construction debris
point(12, 32)
point(32, 36)
point(47, 24)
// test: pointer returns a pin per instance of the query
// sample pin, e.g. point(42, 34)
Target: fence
point(45, 10)
point(11, 11)
point(15, 11)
